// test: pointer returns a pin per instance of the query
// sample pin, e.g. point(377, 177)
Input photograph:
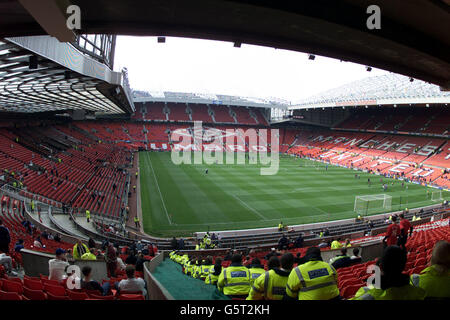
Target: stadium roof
point(379, 90)
point(40, 74)
point(208, 98)
point(413, 37)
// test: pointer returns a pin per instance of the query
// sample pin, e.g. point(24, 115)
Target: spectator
point(57, 238)
point(120, 264)
point(355, 255)
point(38, 242)
point(5, 238)
point(347, 243)
point(91, 243)
point(88, 284)
point(111, 260)
point(6, 262)
point(298, 243)
point(174, 244)
point(181, 244)
point(313, 280)
point(228, 256)
point(19, 245)
point(341, 260)
point(283, 243)
point(140, 262)
point(272, 253)
point(394, 284)
point(272, 285)
point(132, 284)
point(324, 244)
point(57, 267)
point(435, 279)
point(139, 246)
point(405, 228)
point(393, 231)
point(44, 234)
point(131, 259)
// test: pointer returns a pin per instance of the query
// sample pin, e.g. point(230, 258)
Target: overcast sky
point(203, 66)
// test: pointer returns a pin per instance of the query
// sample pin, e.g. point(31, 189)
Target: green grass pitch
point(181, 199)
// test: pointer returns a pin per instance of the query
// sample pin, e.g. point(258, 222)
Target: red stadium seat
point(74, 295)
point(55, 290)
point(53, 297)
point(97, 297)
point(33, 284)
point(10, 296)
point(349, 292)
point(12, 286)
point(131, 297)
point(34, 294)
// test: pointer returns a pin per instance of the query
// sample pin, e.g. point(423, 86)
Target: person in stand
point(394, 284)
point(88, 284)
point(392, 233)
point(405, 228)
point(5, 238)
point(435, 279)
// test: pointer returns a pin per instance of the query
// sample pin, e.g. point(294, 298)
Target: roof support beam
point(51, 15)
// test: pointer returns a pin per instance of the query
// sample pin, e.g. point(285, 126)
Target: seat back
point(74, 295)
point(97, 297)
point(55, 290)
point(10, 296)
point(131, 297)
point(33, 284)
point(53, 297)
point(12, 286)
point(34, 294)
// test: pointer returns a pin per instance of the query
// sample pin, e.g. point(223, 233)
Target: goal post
point(373, 203)
point(436, 195)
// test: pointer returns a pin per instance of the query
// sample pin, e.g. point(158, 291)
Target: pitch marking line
point(159, 190)
point(247, 206)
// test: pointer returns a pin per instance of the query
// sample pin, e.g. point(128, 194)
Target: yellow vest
point(407, 292)
point(270, 286)
point(336, 245)
point(75, 251)
point(255, 273)
point(314, 280)
point(211, 278)
point(204, 270)
point(234, 280)
point(434, 284)
point(88, 256)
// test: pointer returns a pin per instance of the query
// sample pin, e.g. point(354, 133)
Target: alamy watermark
point(199, 145)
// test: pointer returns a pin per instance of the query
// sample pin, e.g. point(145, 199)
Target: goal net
point(373, 203)
point(436, 195)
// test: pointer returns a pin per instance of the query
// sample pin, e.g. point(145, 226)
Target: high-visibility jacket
point(204, 270)
point(255, 272)
point(184, 259)
point(211, 278)
point(195, 271)
point(270, 286)
point(171, 255)
point(234, 281)
point(197, 247)
point(280, 226)
point(88, 214)
point(407, 292)
point(88, 256)
point(336, 245)
point(75, 253)
point(435, 285)
point(314, 280)
point(321, 234)
point(136, 219)
point(188, 268)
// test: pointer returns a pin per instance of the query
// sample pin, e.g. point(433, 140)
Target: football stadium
point(114, 192)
